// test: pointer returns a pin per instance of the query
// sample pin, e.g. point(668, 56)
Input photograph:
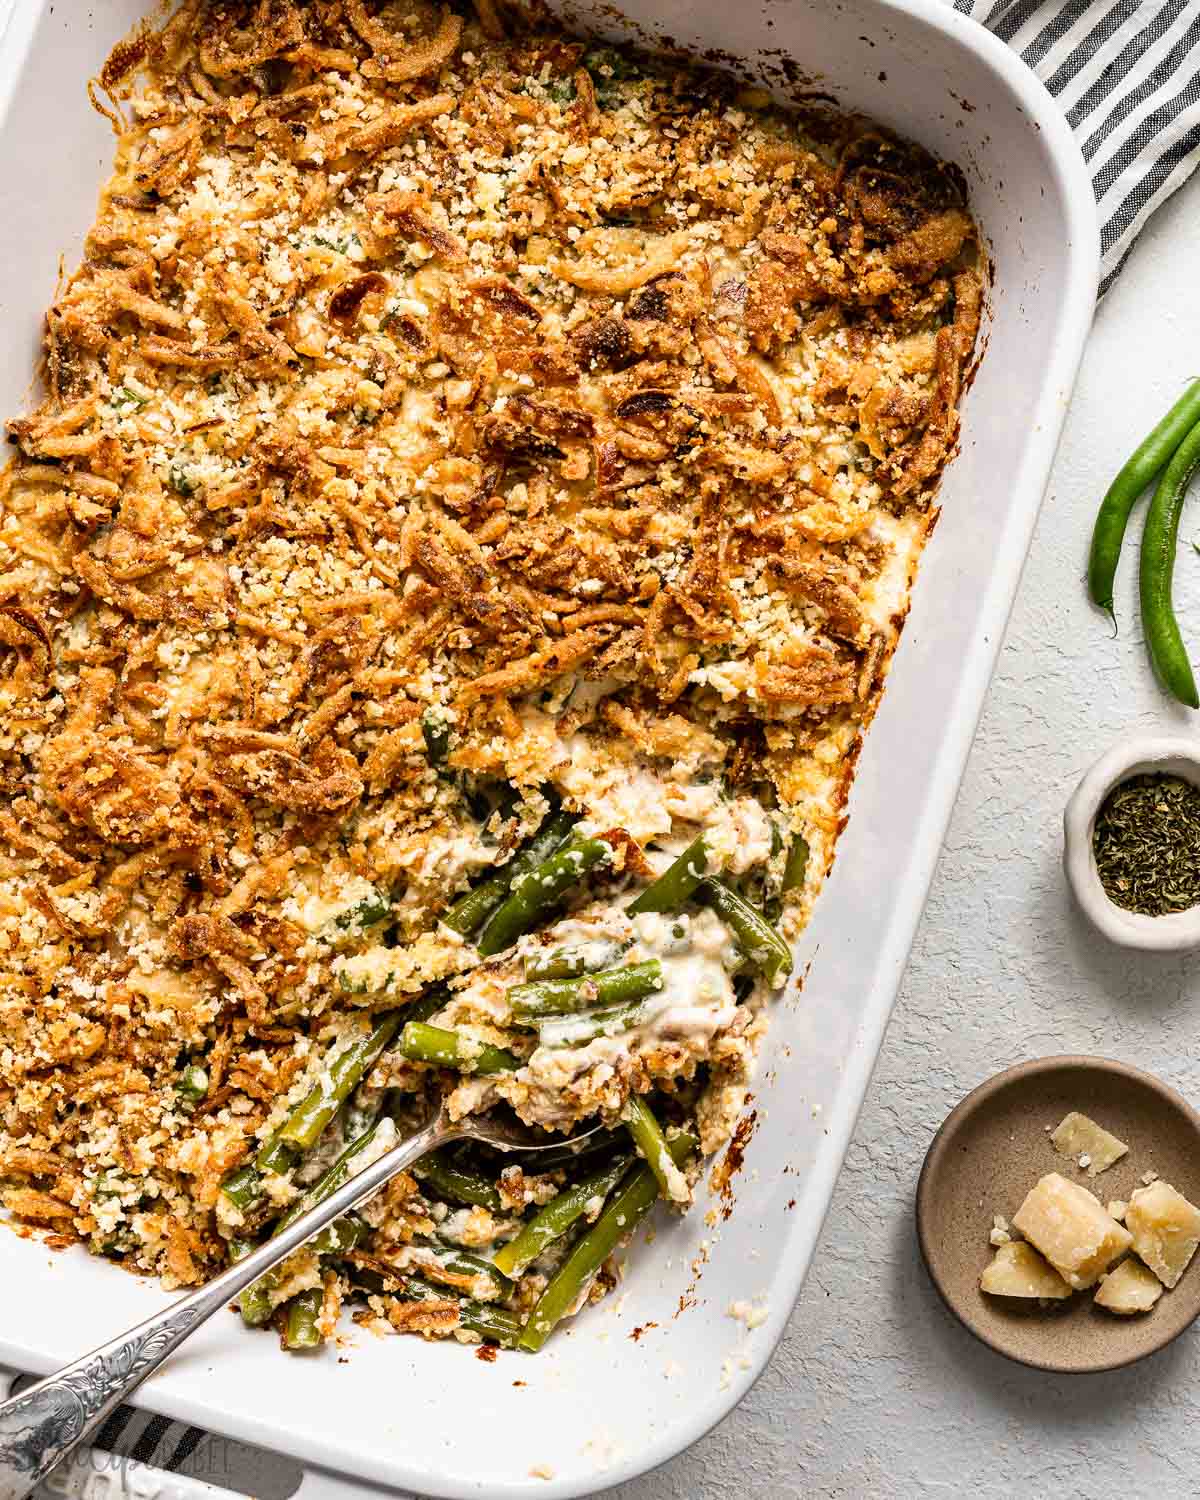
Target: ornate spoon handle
point(40, 1426)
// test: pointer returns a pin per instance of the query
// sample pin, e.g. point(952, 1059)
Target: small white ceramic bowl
point(1174, 755)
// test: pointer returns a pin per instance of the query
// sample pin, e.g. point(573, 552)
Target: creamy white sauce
point(695, 1002)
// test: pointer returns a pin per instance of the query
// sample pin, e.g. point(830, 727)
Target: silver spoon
point(41, 1425)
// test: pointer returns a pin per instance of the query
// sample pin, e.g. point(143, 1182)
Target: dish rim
point(1066, 170)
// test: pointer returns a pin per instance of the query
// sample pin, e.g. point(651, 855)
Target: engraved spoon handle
point(41, 1425)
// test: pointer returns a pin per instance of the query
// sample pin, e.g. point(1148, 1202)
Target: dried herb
point(1147, 844)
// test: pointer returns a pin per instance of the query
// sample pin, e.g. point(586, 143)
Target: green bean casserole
point(472, 505)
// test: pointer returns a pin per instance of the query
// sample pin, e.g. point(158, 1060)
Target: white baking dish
point(599, 1406)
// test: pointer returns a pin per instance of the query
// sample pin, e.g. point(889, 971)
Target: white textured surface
point(875, 1391)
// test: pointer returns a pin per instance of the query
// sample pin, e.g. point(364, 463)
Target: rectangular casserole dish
point(600, 1405)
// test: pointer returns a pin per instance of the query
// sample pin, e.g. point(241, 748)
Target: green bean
point(303, 1330)
point(276, 1155)
point(436, 733)
point(1159, 538)
point(426, 1005)
point(242, 1187)
point(796, 866)
point(472, 910)
point(332, 1179)
point(553, 1219)
point(573, 1031)
point(306, 1122)
point(193, 1083)
point(335, 1239)
point(536, 893)
point(463, 1263)
point(365, 913)
point(573, 959)
point(647, 1135)
point(1144, 465)
point(556, 997)
point(420, 1042)
point(757, 940)
point(458, 1184)
point(484, 1318)
point(677, 884)
point(634, 1198)
point(255, 1304)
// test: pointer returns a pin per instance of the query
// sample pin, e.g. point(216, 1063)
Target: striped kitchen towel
point(1126, 73)
point(103, 1469)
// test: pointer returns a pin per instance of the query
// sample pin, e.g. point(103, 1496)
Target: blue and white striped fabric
point(1126, 74)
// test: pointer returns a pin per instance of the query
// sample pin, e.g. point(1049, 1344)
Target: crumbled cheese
point(1090, 1144)
point(1131, 1288)
point(1017, 1270)
point(1067, 1224)
point(1165, 1229)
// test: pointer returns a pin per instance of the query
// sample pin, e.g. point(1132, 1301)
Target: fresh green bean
point(1144, 465)
point(573, 1031)
point(420, 1042)
point(677, 884)
point(647, 1135)
point(303, 1329)
point(796, 867)
point(305, 1124)
point(456, 1183)
point(553, 1219)
point(556, 997)
point(472, 910)
point(634, 1197)
point(757, 940)
point(1163, 640)
point(537, 892)
point(573, 959)
point(484, 1318)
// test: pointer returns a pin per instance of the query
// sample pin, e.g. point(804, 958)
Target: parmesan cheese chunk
point(1090, 1144)
point(1165, 1229)
point(1066, 1223)
point(1017, 1270)
point(1129, 1289)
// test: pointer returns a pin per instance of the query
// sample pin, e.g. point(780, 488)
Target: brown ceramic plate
point(991, 1150)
